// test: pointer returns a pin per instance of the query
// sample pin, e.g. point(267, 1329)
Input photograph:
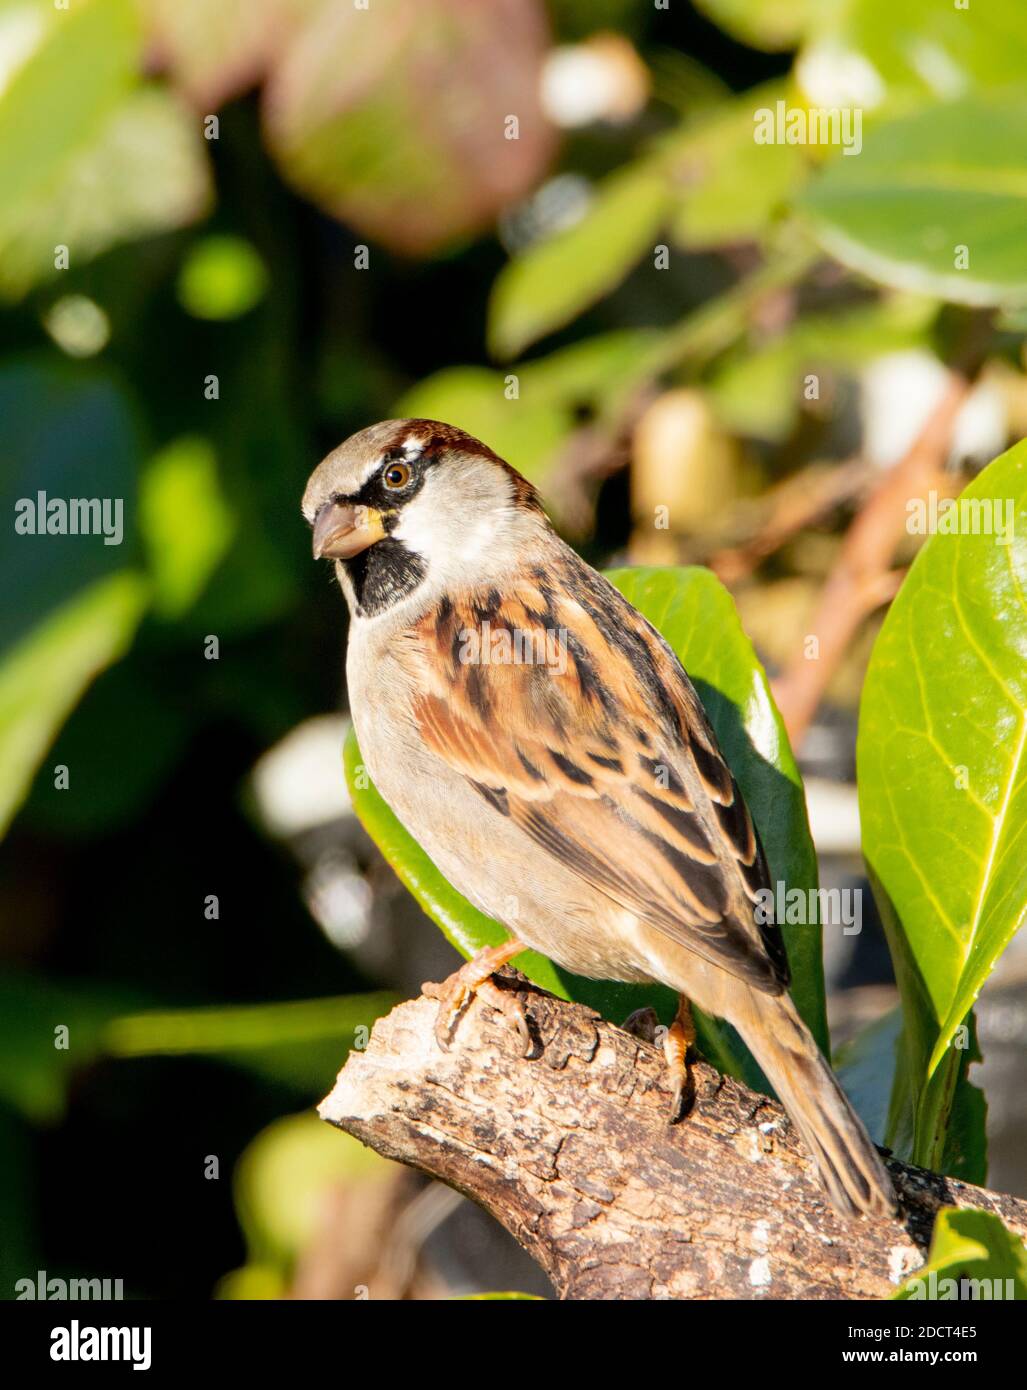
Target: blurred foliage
point(232, 234)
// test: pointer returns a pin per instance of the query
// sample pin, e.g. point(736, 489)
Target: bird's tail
point(849, 1165)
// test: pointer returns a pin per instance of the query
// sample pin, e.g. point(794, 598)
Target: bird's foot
point(677, 1042)
point(475, 978)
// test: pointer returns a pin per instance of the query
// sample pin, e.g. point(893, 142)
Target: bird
point(545, 746)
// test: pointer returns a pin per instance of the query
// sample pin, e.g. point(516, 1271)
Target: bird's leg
point(475, 977)
point(679, 1037)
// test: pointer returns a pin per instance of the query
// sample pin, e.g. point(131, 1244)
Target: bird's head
point(416, 506)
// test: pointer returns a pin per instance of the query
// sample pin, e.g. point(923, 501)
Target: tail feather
point(850, 1167)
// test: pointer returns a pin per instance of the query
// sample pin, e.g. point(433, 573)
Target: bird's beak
point(342, 530)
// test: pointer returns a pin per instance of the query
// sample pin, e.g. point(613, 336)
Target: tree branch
point(571, 1151)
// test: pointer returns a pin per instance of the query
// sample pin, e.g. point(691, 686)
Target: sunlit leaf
point(553, 281)
point(70, 66)
point(936, 202)
point(143, 171)
point(300, 1043)
point(942, 770)
point(975, 1245)
point(871, 52)
point(697, 616)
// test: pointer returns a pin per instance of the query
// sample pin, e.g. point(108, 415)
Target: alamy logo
point(961, 516)
point(78, 1343)
point(504, 646)
point(809, 125)
point(75, 516)
point(58, 1290)
point(831, 907)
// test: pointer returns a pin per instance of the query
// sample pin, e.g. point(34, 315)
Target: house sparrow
point(544, 745)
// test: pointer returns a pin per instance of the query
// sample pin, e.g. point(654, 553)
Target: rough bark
point(571, 1151)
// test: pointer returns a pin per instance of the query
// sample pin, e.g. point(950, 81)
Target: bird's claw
point(456, 994)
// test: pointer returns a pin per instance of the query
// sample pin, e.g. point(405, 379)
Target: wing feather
point(570, 715)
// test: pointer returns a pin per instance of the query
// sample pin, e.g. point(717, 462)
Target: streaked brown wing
point(570, 715)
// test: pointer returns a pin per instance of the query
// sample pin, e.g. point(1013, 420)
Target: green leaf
point(768, 24)
point(970, 1244)
point(887, 52)
point(401, 126)
point(699, 620)
point(730, 186)
point(697, 616)
point(553, 281)
point(77, 63)
point(866, 1068)
point(299, 1042)
point(930, 191)
point(942, 772)
point(44, 674)
point(47, 1029)
point(144, 171)
point(185, 520)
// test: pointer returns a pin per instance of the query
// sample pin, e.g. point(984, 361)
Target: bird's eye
point(397, 475)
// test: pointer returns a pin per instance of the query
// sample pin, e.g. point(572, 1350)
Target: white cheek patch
point(454, 540)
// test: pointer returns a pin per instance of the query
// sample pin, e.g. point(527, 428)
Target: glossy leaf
point(936, 201)
point(702, 625)
point(968, 1243)
point(697, 616)
point(553, 281)
point(942, 770)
